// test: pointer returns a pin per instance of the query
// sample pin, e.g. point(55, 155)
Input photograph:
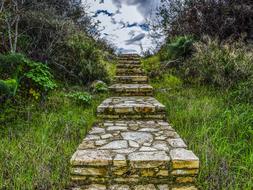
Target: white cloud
point(125, 12)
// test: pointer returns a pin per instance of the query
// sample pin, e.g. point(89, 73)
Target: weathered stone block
point(132, 79)
point(185, 188)
point(131, 89)
point(182, 158)
point(148, 159)
point(132, 107)
point(93, 157)
point(87, 171)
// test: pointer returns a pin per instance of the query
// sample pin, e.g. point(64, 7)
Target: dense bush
point(226, 65)
point(8, 88)
point(81, 61)
point(81, 97)
point(221, 18)
point(58, 33)
point(99, 86)
point(151, 65)
point(176, 47)
point(33, 77)
point(170, 55)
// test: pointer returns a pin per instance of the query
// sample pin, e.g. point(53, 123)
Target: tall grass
point(220, 132)
point(37, 142)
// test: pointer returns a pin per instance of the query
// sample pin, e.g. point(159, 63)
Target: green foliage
point(8, 87)
point(110, 66)
point(31, 74)
point(81, 60)
point(227, 65)
point(151, 65)
point(223, 65)
point(99, 86)
point(40, 75)
point(81, 97)
point(177, 47)
point(170, 55)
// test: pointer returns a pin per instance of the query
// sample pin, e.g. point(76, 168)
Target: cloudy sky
point(123, 22)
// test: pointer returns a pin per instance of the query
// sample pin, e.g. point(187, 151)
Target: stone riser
point(139, 117)
point(171, 181)
point(132, 93)
point(126, 72)
point(131, 80)
point(131, 90)
point(128, 66)
point(132, 62)
point(148, 186)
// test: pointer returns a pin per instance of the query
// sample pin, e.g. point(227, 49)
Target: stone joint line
point(133, 147)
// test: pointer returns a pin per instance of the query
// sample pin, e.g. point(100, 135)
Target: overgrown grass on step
point(37, 142)
point(218, 131)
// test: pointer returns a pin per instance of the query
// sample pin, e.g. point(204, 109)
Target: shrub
point(224, 65)
point(81, 97)
point(227, 65)
point(221, 18)
point(99, 86)
point(151, 65)
point(29, 73)
point(8, 87)
point(81, 62)
point(177, 47)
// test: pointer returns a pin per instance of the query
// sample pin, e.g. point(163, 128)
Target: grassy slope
point(219, 132)
point(37, 143)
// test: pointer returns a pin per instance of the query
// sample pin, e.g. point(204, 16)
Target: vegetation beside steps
point(217, 129)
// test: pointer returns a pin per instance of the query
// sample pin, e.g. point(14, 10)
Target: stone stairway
point(133, 147)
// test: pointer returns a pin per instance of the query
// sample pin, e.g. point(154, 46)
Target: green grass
point(37, 141)
point(220, 132)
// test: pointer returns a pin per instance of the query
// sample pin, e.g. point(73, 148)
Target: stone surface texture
point(133, 147)
point(135, 107)
point(132, 89)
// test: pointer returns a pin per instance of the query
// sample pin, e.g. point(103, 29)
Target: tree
point(11, 12)
point(217, 18)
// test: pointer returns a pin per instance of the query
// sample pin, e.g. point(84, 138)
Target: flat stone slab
point(129, 61)
point(134, 187)
point(134, 79)
point(132, 89)
point(128, 66)
point(133, 152)
point(137, 107)
point(129, 71)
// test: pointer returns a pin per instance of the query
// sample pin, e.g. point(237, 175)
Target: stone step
point(136, 107)
point(131, 89)
point(129, 71)
point(127, 61)
point(128, 66)
point(134, 187)
point(134, 153)
point(133, 55)
point(141, 79)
